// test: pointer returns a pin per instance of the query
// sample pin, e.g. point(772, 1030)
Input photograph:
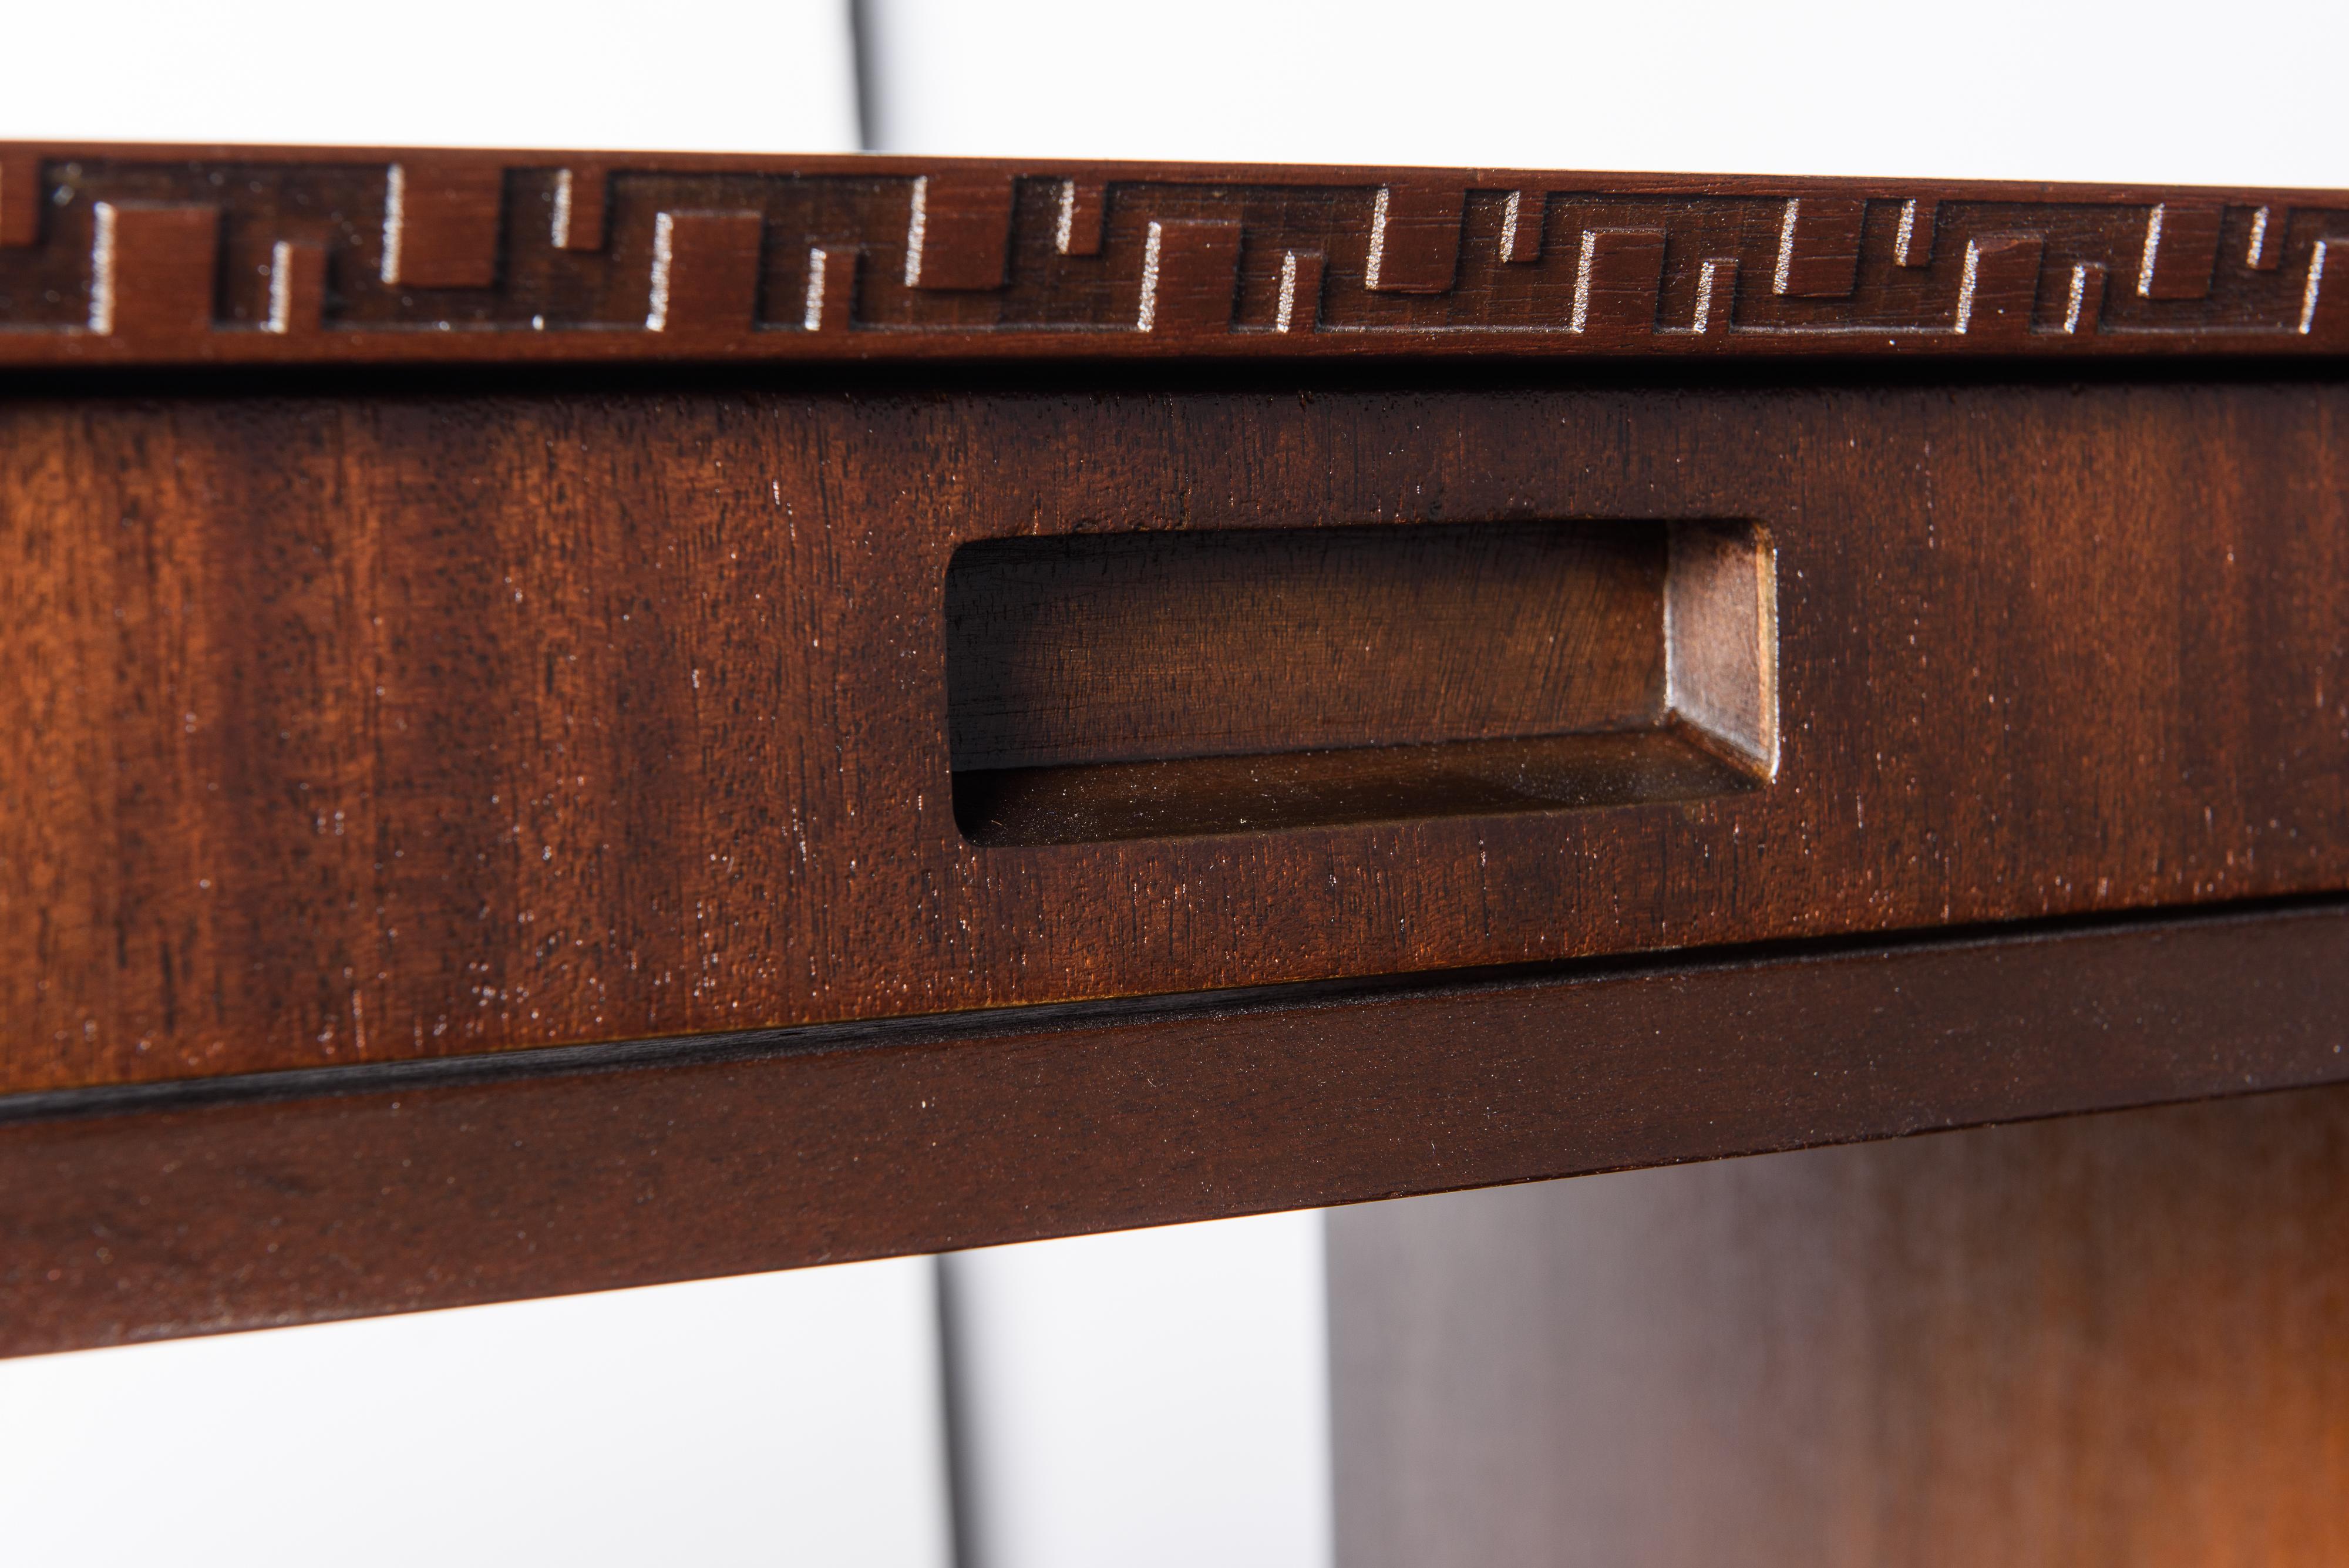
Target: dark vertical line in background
point(955, 1404)
point(1343, 1385)
point(868, 100)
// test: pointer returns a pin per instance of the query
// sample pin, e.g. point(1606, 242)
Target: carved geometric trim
point(441, 224)
point(166, 255)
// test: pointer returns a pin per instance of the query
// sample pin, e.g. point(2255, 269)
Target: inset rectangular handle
point(1168, 683)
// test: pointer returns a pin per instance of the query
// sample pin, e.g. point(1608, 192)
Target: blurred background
point(1147, 1398)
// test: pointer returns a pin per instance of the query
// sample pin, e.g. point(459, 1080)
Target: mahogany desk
point(579, 721)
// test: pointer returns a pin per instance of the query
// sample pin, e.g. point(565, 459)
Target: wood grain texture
point(433, 723)
point(442, 217)
point(20, 197)
point(153, 269)
point(297, 287)
point(2181, 250)
point(196, 1210)
point(1155, 685)
point(1819, 240)
point(2118, 1339)
point(1721, 615)
point(1349, 788)
point(522, 257)
point(959, 229)
point(704, 273)
point(199, 1209)
point(1136, 647)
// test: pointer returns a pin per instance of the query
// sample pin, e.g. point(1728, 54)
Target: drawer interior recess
point(1172, 683)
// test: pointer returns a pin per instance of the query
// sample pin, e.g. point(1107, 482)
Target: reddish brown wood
point(297, 287)
point(1077, 228)
point(1913, 231)
point(1523, 217)
point(2086, 298)
point(364, 721)
point(830, 301)
point(1819, 240)
point(1297, 292)
point(2324, 314)
point(152, 270)
point(2181, 250)
point(1190, 275)
point(705, 273)
point(20, 197)
point(154, 1212)
point(2001, 287)
point(1616, 277)
point(1285, 792)
point(507, 257)
point(2117, 1339)
point(1140, 686)
point(442, 216)
point(959, 229)
point(1136, 647)
point(1415, 243)
point(429, 722)
point(581, 195)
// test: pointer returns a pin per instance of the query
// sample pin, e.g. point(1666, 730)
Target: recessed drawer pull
point(1157, 685)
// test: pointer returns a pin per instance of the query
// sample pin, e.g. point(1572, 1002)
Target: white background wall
point(1153, 1399)
point(714, 76)
point(2029, 89)
point(784, 1419)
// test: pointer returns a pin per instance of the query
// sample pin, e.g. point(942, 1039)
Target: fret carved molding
point(176, 256)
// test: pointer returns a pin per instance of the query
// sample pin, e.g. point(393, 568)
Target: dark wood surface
point(1172, 683)
point(431, 721)
point(1287, 790)
point(288, 255)
point(2117, 1340)
point(188, 1209)
point(1141, 647)
point(374, 729)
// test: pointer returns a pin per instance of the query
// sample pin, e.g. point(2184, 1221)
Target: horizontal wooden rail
point(148, 1211)
point(126, 254)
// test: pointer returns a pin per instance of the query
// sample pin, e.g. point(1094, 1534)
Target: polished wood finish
point(510, 825)
point(515, 257)
point(1137, 647)
point(187, 1209)
point(1285, 791)
point(434, 721)
point(2116, 1339)
point(1166, 684)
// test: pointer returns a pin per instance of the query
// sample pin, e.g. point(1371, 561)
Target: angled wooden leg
point(2118, 1339)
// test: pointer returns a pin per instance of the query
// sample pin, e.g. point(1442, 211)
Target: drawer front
point(353, 728)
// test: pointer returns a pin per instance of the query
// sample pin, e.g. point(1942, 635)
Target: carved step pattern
point(114, 257)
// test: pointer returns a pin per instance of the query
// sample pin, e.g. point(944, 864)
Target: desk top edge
point(162, 255)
